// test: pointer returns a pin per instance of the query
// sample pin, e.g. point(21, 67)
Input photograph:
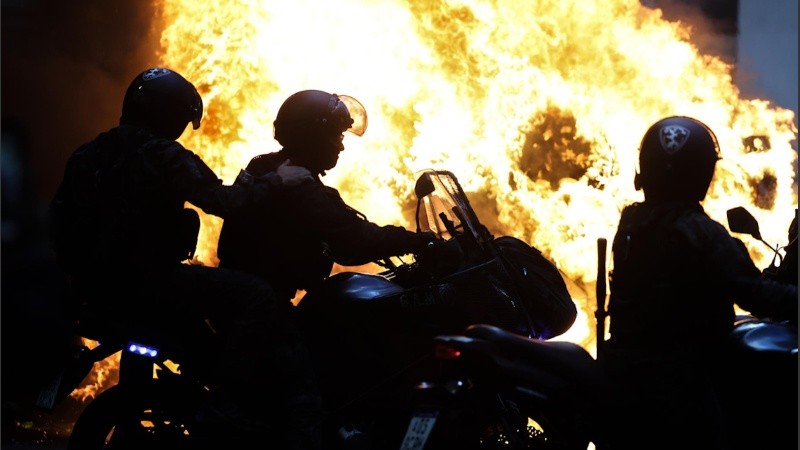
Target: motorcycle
point(162, 384)
point(368, 334)
point(764, 355)
point(500, 390)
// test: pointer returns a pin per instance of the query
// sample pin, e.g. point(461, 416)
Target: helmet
point(311, 114)
point(677, 157)
point(162, 101)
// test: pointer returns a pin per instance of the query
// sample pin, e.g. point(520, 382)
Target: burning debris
point(537, 107)
point(553, 150)
point(765, 191)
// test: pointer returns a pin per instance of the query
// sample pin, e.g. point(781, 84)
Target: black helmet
point(677, 157)
point(162, 101)
point(311, 114)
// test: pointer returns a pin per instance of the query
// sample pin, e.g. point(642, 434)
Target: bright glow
point(538, 108)
point(142, 349)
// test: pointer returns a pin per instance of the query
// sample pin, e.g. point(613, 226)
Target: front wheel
point(498, 424)
point(136, 417)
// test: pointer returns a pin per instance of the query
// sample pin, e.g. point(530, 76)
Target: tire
point(484, 429)
point(136, 417)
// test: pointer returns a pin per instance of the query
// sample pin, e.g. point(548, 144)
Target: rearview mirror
point(424, 185)
point(741, 221)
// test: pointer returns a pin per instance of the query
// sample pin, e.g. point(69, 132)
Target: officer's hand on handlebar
point(441, 256)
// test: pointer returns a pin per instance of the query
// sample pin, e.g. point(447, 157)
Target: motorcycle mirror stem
point(741, 221)
point(422, 188)
point(600, 294)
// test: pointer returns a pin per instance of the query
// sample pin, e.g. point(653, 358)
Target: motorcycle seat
point(566, 358)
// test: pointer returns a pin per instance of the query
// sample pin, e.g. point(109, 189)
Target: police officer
point(122, 233)
point(294, 247)
point(675, 278)
point(316, 227)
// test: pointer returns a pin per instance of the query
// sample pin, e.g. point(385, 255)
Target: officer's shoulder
point(699, 224)
point(167, 147)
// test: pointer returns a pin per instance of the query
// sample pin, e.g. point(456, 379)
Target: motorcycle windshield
point(444, 208)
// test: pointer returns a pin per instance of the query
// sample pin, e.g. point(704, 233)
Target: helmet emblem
point(673, 138)
point(152, 74)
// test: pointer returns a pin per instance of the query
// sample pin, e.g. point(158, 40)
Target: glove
point(293, 175)
point(426, 237)
point(441, 256)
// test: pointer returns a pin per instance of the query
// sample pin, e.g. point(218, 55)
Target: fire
point(538, 107)
point(104, 373)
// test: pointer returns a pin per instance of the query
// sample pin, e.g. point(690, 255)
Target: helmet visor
point(357, 112)
point(197, 111)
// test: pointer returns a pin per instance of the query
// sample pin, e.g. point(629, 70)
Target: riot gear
point(677, 157)
point(318, 114)
point(123, 235)
point(163, 102)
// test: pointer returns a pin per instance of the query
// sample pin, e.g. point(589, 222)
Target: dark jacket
point(295, 247)
point(121, 202)
point(676, 276)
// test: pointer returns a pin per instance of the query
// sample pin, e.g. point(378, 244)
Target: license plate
point(48, 394)
point(418, 430)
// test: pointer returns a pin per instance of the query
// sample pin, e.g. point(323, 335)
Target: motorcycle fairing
point(445, 208)
point(765, 336)
point(352, 286)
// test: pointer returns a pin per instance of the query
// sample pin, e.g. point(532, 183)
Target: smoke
point(64, 70)
point(714, 23)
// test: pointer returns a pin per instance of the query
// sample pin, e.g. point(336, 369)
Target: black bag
point(540, 286)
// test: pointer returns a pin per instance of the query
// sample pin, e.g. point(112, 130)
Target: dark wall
point(64, 67)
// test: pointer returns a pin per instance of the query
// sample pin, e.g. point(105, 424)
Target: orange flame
point(104, 373)
point(538, 107)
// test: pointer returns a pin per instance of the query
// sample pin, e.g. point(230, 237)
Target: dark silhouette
point(36, 337)
point(316, 227)
point(787, 272)
point(675, 277)
point(123, 235)
point(294, 247)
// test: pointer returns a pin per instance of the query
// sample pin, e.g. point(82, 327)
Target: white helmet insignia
point(673, 138)
point(156, 72)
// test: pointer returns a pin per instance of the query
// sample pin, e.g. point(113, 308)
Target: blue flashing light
point(144, 350)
